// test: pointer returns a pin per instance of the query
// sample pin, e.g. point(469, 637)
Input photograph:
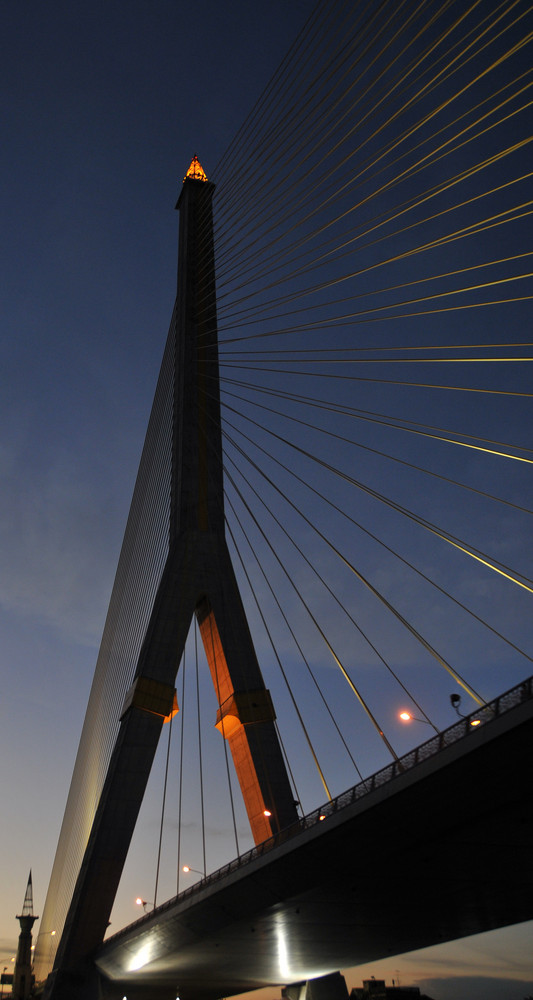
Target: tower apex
point(195, 172)
point(27, 909)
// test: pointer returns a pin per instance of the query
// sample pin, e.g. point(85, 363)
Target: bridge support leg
point(246, 714)
point(84, 984)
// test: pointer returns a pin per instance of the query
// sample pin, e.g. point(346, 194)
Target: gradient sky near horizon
point(104, 105)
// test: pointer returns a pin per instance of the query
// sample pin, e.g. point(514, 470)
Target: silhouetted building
point(23, 975)
point(375, 989)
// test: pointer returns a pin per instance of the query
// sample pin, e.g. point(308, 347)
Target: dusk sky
point(104, 105)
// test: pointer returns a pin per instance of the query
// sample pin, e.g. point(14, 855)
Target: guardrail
point(458, 731)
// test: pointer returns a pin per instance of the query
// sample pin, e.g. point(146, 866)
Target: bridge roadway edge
point(441, 852)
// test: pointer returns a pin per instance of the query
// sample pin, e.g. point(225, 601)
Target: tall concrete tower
point(246, 715)
point(198, 580)
point(22, 976)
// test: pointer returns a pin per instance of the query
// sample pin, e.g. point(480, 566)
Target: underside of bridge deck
point(441, 852)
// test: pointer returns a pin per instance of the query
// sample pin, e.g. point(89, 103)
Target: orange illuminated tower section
point(245, 716)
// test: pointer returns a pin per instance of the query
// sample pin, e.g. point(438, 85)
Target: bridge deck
point(374, 879)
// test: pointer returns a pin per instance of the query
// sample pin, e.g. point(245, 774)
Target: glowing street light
point(409, 717)
point(44, 933)
point(456, 701)
point(143, 902)
point(187, 868)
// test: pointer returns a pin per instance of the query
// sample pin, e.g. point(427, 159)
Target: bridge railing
point(447, 737)
point(458, 731)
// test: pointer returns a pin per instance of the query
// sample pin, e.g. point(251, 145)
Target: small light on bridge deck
point(409, 717)
point(322, 816)
point(187, 868)
point(456, 701)
point(267, 813)
point(143, 902)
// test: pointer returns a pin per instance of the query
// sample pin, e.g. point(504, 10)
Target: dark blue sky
point(104, 105)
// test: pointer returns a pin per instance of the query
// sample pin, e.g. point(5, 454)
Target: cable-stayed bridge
point(370, 874)
point(333, 488)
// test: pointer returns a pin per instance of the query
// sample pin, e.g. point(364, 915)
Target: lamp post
point(187, 868)
point(143, 902)
point(456, 701)
point(406, 716)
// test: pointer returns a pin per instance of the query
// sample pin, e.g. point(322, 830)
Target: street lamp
point(406, 716)
point(187, 868)
point(456, 701)
point(409, 717)
point(143, 902)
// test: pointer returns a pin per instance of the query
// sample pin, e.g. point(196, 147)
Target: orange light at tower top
point(195, 172)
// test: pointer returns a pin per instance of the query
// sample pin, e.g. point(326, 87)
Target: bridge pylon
point(198, 580)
